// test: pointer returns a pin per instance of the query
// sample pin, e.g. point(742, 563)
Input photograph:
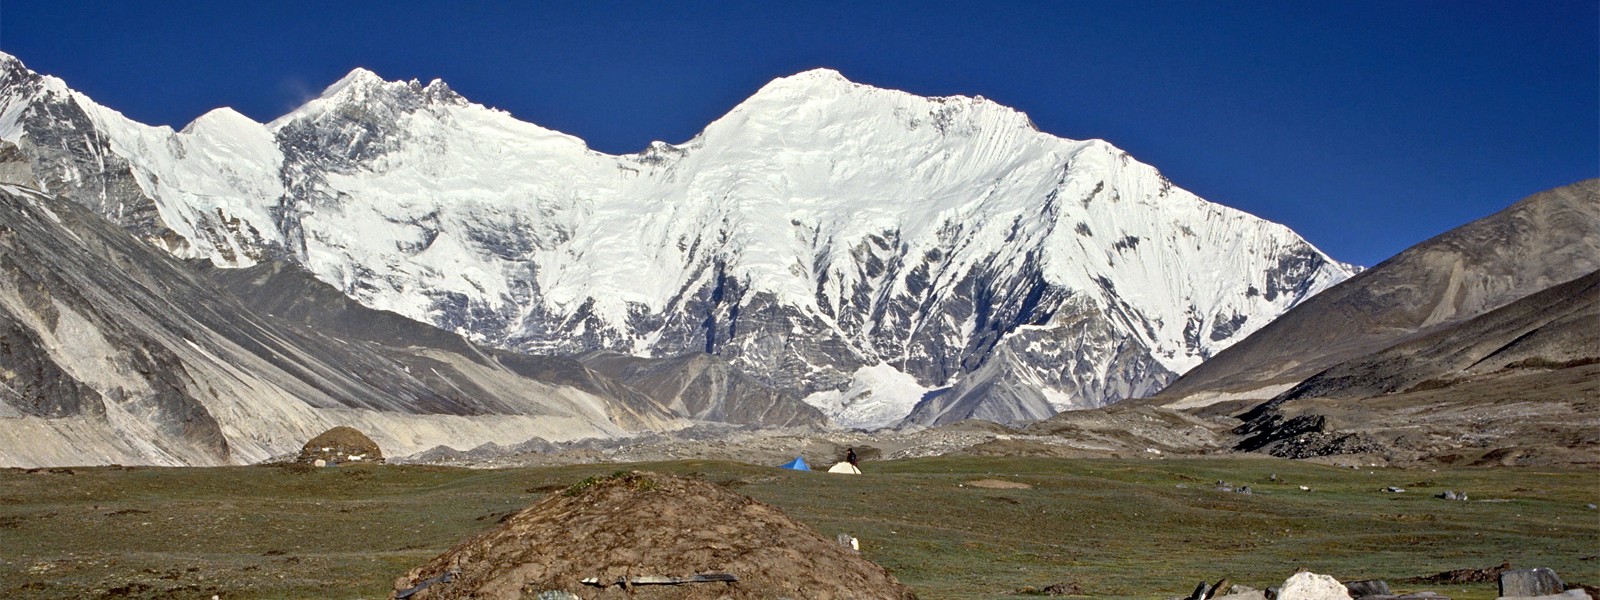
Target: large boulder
point(639, 528)
point(1530, 582)
point(1306, 585)
point(341, 445)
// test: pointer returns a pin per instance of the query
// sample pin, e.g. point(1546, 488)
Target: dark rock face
point(704, 388)
point(72, 157)
point(1069, 356)
point(40, 387)
point(1546, 239)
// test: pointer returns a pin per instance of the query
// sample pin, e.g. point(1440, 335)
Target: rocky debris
point(1483, 575)
point(1367, 587)
point(632, 525)
point(1394, 490)
point(1223, 486)
point(1530, 582)
point(1064, 588)
point(1305, 585)
point(341, 445)
point(1224, 589)
point(1267, 429)
point(1452, 495)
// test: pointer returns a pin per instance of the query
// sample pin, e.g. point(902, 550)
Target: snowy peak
point(358, 83)
point(220, 121)
point(364, 91)
point(824, 236)
point(815, 80)
point(11, 64)
point(825, 98)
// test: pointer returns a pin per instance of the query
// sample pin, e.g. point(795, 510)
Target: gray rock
point(1218, 588)
point(1530, 582)
point(1367, 587)
point(1574, 594)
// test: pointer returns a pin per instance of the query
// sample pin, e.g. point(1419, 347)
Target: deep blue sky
point(1365, 126)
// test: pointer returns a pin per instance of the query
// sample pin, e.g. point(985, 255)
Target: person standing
point(850, 457)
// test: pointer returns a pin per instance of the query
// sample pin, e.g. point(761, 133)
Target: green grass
point(1121, 528)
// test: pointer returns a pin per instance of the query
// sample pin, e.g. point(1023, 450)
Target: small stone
point(1065, 588)
point(1394, 490)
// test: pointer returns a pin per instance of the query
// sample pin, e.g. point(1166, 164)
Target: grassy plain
point(1119, 528)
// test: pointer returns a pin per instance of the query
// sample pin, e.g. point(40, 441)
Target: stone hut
point(341, 445)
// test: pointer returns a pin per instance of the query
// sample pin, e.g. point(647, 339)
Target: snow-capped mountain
point(114, 352)
point(869, 248)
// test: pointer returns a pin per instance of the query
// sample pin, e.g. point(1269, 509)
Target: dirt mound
point(633, 525)
point(341, 444)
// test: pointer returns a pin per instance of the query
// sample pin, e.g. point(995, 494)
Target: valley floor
point(1137, 528)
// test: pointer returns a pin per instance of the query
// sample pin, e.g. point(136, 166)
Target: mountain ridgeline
point(888, 258)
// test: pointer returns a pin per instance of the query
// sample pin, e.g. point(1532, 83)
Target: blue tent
point(798, 464)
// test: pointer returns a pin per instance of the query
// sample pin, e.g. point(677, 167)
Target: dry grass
point(1120, 528)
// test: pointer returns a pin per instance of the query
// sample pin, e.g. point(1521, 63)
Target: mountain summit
point(869, 249)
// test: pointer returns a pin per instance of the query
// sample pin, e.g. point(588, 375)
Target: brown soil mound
point(339, 445)
point(647, 524)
